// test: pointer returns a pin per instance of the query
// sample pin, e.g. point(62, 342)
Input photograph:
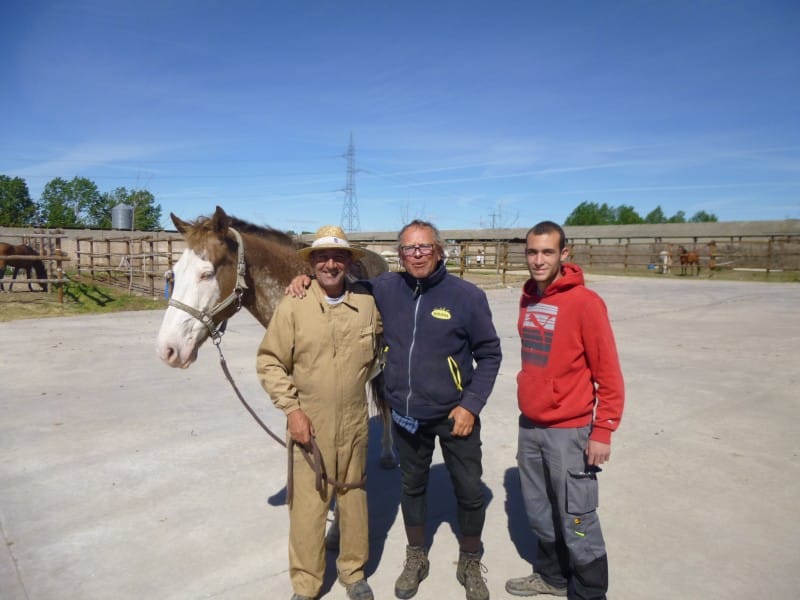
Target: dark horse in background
point(21, 263)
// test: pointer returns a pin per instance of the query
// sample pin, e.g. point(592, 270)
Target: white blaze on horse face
point(181, 334)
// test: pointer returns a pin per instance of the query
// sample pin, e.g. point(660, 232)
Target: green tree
point(146, 213)
point(65, 203)
point(656, 216)
point(678, 217)
point(590, 213)
point(626, 215)
point(16, 207)
point(702, 216)
point(98, 213)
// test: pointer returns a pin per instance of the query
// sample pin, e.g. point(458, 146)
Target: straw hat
point(330, 237)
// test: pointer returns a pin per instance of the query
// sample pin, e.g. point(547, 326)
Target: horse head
point(208, 286)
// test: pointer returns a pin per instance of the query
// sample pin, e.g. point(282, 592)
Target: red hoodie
point(569, 357)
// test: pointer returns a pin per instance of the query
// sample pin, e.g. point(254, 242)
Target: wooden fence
point(772, 254)
point(135, 263)
point(140, 263)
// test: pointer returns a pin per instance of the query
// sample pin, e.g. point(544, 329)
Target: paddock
point(122, 478)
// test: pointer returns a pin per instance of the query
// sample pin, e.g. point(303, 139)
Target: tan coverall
point(318, 357)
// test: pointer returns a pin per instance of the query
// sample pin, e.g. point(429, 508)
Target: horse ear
point(180, 225)
point(220, 221)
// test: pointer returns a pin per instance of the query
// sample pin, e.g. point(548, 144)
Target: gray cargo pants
point(561, 497)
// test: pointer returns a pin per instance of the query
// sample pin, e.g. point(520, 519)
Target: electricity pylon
point(350, 220)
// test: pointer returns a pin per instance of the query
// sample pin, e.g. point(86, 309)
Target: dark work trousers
point(561, 496)
point(462, 456)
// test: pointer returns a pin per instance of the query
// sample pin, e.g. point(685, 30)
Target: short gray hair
point(422, 225)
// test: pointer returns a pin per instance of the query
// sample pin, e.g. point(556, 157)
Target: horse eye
point(205, 275)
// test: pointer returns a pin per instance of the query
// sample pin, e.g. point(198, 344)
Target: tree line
point(76, 203)
point(591, 213)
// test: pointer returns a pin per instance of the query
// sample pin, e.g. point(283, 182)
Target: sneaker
point(415, 570)
point(533, 585)
point(359, 590)
point(470, 574)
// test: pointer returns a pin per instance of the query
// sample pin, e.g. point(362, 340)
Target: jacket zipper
point(411, 351)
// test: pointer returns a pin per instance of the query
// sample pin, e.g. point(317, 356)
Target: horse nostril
point(168, 354)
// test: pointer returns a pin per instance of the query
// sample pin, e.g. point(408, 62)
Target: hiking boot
point(359, 590)
point(415, 569)
point(470, 574)
point(533, 585)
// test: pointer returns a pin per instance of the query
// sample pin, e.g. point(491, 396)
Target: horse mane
point(264, 231)
point(203, 226)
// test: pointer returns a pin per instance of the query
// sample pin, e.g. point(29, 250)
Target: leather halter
point(311, 452)
point(207, 317)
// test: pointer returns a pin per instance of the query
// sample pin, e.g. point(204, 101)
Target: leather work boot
point(470, 574)
point(415, 570)
point(532, 585)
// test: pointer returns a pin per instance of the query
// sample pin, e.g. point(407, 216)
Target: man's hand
point(463, 421)
point(597, 453)
point(297, 287)
point(300, 427)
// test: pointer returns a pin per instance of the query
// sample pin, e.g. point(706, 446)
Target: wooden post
point(59, 272)
point(78, 255)
point(151, 269)
point(108, 259)
point(505, 261)
point(769, 253)
point(128, 252)
point(625, 256)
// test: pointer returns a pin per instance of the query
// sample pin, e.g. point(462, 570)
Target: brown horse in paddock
point(228, 264)
point(690, 260)
point(21, 263)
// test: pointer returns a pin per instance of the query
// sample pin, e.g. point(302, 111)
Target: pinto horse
point(21, 263)
point(690, 261)
point(665, 262)
point(228, 264)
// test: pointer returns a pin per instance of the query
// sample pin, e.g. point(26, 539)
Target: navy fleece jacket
point(442, 346)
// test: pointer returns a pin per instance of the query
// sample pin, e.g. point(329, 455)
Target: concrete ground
point(123, 479)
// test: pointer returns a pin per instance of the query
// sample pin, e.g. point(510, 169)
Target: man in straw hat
point(314, 362)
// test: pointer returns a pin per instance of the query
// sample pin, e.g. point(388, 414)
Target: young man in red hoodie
point(571, 393)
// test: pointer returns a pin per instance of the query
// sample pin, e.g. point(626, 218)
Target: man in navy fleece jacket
point(442, 360)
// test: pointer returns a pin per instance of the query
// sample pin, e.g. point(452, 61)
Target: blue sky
point(467, 113)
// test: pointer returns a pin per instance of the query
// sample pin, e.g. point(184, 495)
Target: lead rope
point(312, 455)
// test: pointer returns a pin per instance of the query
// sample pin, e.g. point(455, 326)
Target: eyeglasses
point(423, 249)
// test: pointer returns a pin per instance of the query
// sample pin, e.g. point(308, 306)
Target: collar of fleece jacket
point(423, 285)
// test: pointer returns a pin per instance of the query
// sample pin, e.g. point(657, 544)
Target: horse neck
point(270, 268)
point(41, 272)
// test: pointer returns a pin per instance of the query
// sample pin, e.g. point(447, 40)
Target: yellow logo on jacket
point(441, 313)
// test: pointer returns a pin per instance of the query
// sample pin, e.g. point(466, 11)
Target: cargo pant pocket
point(582, 492)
